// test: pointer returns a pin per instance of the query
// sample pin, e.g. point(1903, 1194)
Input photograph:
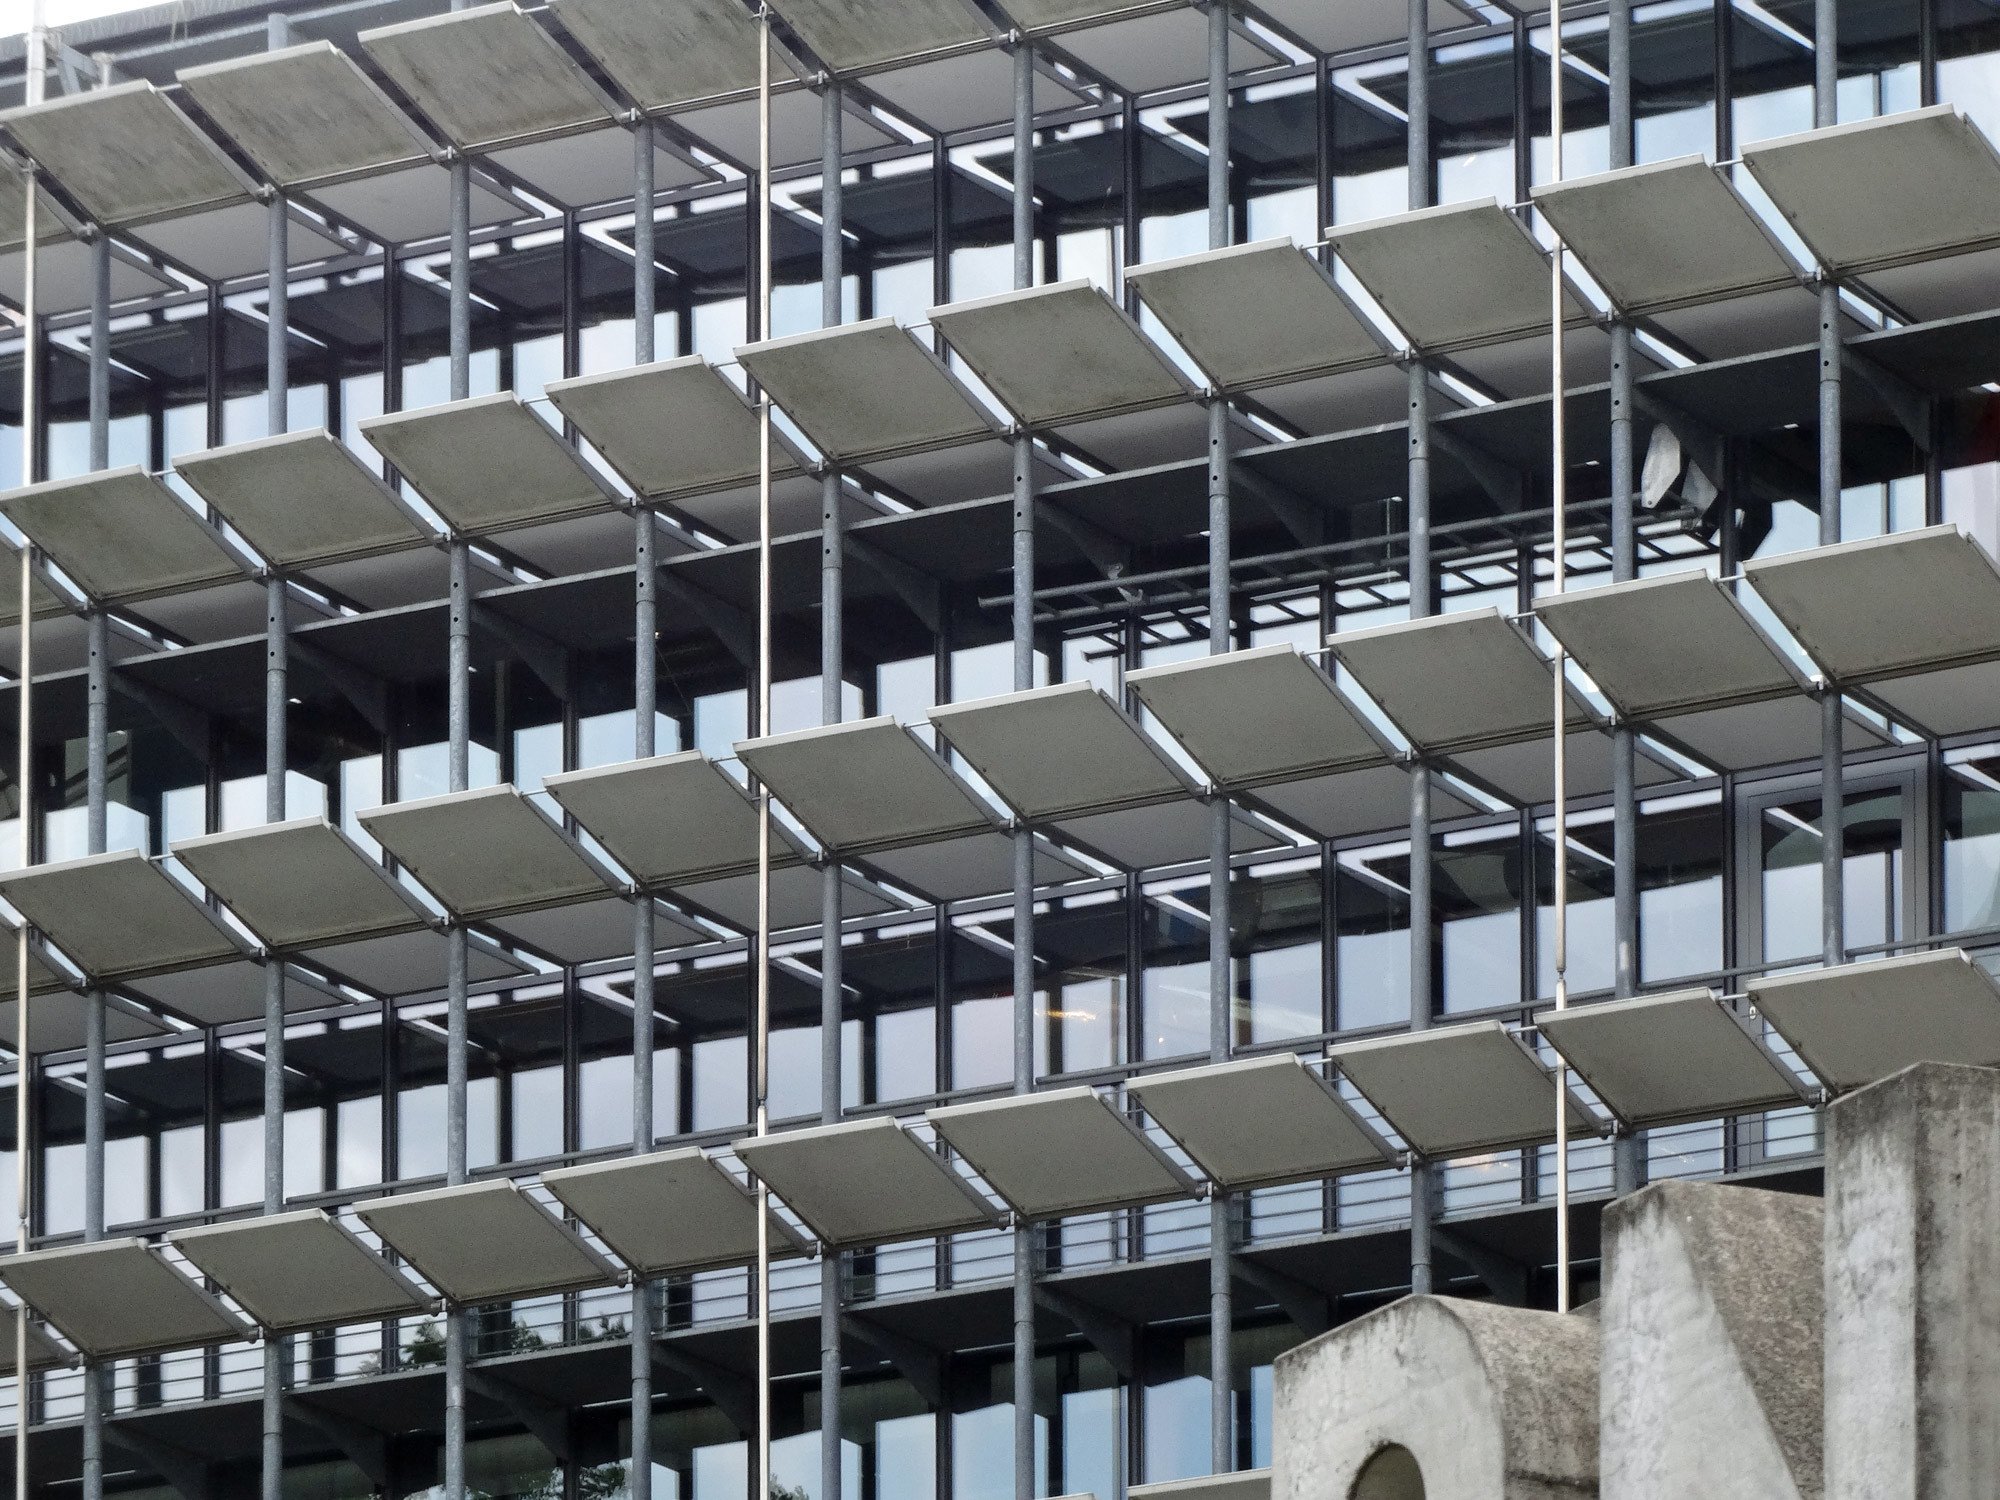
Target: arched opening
point(1392, 1474)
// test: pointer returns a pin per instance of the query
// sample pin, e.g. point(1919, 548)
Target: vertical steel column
point(97, 733)
point(1423, 1188)
point(36, 66)
point(1833, 808)
point(645, 706)
point(1628, 1151)
point(277, 649)
point(761, 724)
point(1221, 1397)
point(459, 731)
point(1025, 1479)
point(832, 601)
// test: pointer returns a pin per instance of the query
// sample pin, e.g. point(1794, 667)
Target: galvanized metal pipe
point(459, 757)
point(645, 707)
point(1423, 1193)
point(761, 1019)
point(1833, 808)
point(1628, 1151)
point(1023, 620)
point(36, 65)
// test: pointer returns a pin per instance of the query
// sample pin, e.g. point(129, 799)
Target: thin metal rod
point(761, 1027)
point(645, 707)
point(1026, 1480)
point(31, 358)
point(1221, 1313)
point(1559, 566)
point(1423, 1195)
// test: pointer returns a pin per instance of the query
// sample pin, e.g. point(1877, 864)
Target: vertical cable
point(1559, 563)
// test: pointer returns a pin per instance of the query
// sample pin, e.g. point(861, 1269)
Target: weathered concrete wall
point(1711, 1360)
point(1494, 1403)
point(1913, 1287)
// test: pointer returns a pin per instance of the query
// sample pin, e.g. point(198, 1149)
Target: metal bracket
point(1505, 487)
point(1305, 521)
point(180, 718)
point(1109, 554)
point(917, 1362)
point(918, 590)
point(1909, 404)
point(733, 1394)
point(188, 1472)
point(1309, 1308)
point(367, 694)
point(735, 628)
point(549, 660)
point(367, 1448)
point(548, 1420)
point(1507, 1278)
point(1109, 1335)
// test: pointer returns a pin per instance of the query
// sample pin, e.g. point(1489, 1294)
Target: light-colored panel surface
point(219, 244)
point(1901, 186)
point(795, 898)
point(118, 1297)
point(668, 1211)
point(846, 36)
point(1160, 51)
point(667, 55)
point(116, 914)
point(485, 851)
point(1956, 700)
point(1862, 1022)
point(487, 463)
point(56, 1023)
point(296, 1271)
point(1661, 644)
point(965, 90)
point(867, 1182)
point(673, 428)
point(1454, 680)
point(64, 279)
point(299, 884)
point(303, 113)
point(44, 1353)
point(1043, 15)
point(1746, 735)
point(1370, 801)
point(591, 166)
point(1058, 750)
point(125, 153)
point(485, 74)
point(223, 992)
point(731, 129)
point(1247, 1484)
point(1459, 1090)
point(960, 868)
point(1259, 715)
point(864, 390)
point(1058, 353)
point(864, 785)
point(1658, 1059)
point(673, 818)
point(1356, 23)
point(1061, 1152)
point(1524, 771)
point(1665, 233)
point(485, 1242)
point(583, 932)
point(413, 204)
point(301, 499)
point(1886, 605)
point(1256, 313)
point(1260, 1121)
point(49, 226)
point(410, 963)
point(1419, 266)
point(120, 534)
point(1158, 834)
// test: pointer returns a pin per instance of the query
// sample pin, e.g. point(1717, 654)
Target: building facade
point(1209, 395)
